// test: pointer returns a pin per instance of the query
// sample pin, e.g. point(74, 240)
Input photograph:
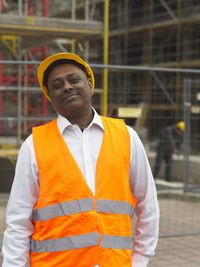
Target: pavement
point(179, 240)
point(180, 251)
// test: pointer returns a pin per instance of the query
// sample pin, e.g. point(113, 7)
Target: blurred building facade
point(150, 33)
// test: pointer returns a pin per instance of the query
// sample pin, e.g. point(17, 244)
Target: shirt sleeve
point(22, 199)
point(147, 209)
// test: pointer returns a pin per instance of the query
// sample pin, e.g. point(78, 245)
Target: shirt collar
point(63, 123)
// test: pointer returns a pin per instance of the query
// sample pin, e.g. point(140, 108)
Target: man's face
point(70, 90)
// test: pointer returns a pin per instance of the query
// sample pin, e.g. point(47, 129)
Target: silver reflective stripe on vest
point(66, 243)
point(115, 207)
point(118, 242)
point(62, 209)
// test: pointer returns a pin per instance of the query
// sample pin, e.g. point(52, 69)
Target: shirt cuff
point(140, 260)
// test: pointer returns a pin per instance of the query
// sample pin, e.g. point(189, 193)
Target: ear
point(90, 86)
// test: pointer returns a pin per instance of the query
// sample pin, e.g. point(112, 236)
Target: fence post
point(187, 119)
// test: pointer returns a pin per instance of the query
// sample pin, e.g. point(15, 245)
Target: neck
point(82, 121)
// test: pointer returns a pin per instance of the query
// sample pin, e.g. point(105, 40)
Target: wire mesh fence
point(148, 99)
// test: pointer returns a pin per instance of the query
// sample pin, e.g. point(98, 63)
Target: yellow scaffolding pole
point(11, 43)
point(73, 46)
point(104, 101)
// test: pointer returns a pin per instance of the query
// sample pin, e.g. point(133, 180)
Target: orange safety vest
point(74, 227)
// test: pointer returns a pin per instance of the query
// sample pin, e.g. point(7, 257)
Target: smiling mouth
point(69, 97)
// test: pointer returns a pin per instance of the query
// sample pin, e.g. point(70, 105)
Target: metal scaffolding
point(145, 34)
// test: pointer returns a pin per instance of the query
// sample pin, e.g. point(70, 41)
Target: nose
point(67, 86)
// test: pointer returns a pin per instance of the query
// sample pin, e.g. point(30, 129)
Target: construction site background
point(146, 57)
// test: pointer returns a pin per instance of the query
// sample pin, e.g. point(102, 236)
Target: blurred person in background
point(170, 139)
point(79, 180)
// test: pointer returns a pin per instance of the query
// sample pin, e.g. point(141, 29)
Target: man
point(170, 139)
point(79, 179)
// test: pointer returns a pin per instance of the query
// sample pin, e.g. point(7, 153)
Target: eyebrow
point(68, 75)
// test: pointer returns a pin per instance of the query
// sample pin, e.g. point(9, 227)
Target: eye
point(74, 79)
point(58, 85)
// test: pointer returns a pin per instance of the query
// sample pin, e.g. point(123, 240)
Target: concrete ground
point(179, 240)
point(177, 252)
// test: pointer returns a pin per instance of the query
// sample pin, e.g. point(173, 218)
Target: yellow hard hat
point(181, 125)
point(64, 55)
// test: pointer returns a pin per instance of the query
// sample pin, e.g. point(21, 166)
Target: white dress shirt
point(85, 147)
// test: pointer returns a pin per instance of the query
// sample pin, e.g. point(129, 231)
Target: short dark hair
point(60, 62)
